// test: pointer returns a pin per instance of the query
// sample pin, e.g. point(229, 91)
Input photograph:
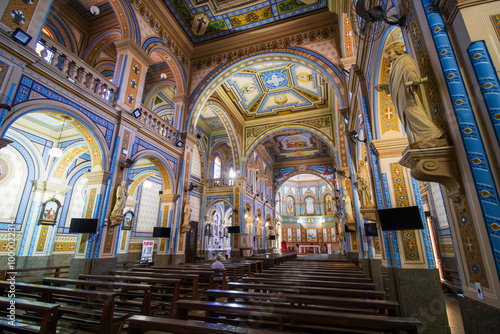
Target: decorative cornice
point(388, 148)
point(282, 43)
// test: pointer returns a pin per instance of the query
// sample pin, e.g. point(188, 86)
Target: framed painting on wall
point(129, 218)
point(49, 212)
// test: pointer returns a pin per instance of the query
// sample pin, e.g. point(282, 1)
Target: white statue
point(348, 207)
point(363, 184)
point(121, 200)
point(186, 218)
point(403, 86)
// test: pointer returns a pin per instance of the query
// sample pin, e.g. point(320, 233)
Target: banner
point(147, 250)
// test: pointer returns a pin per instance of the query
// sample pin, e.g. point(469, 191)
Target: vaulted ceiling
point(276, 88)
point(204, 20)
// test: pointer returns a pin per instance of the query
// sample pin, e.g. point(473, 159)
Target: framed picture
point(129, 218)
point(49, 212)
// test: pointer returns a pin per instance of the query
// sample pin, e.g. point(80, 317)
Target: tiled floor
point(454, 316)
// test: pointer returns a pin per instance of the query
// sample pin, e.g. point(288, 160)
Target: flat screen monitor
point(405, 218)
point(371, 230)
point(233, 229)
point(21, 37)
point(83, 225)
point(161, 232)
point(272, 237)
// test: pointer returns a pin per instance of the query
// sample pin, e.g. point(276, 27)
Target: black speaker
point(233, 229)
point(83, 225)
point(272, 237)
point(161, 232)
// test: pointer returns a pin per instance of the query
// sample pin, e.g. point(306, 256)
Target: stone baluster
point(90, 82)
point(65, 65)
point(73, 69)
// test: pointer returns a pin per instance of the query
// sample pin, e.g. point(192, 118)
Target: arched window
point(217, 168)
point(231, 172)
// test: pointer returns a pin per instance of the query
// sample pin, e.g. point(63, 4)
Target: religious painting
point(329, 207)
point(129, 218)
point(297, 142)
point(281, 173)
point(290, 203)
point(208, 230)
point(49, 212)
point(310, 205)
point(312, 235)
point(325, 235)
point(334, 234)
point(289, 235)
point(299, 236)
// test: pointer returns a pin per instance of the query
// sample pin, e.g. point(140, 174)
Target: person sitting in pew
point(219, 265)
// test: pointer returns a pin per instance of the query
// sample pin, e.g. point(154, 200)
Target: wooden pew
point(124, 265)
point(308, 301)
point(43, 321)
point(141, 325)
point(316, 283)
point(35, 275)
point(309, 290)
point(78, 306)
point(124, 292)
point(159, 296)
point(302, 320)
point(314, 276)
point(186, 279)
point(206, 274)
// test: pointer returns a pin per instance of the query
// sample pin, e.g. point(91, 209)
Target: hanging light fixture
point(148, 184)
point(55, 151)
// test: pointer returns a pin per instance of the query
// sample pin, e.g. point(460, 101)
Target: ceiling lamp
point(55, 151)
point(163, 76)
point(95, 10)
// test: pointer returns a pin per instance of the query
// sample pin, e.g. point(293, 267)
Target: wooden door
point(191, 242)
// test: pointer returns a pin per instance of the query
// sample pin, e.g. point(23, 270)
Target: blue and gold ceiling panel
point(206, 20)
point(276, 88)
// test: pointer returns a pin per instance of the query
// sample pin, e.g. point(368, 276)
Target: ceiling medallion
point(280, 99)
point(248, 88)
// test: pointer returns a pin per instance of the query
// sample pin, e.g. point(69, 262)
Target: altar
point(304, 248)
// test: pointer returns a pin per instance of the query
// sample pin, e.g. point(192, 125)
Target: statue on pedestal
point(121, 200)
point(348, 208)
point(403, 87)
point(363, 184)
point(186, 217)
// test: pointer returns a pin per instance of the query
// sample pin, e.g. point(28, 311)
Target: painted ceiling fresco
point(211, 119)
point(204, 20)
point(296, 145)
point(276, 88)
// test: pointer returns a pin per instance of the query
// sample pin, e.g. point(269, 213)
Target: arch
point(155, 89)
point(326, 69)
point(215, 201)
point(98, 45)
point(56, 28)
point(230, 130)
point(155, 44)
point(126, 18)
point(309, 171)
point(161, 164)
point(92, 136)
point(306, 128)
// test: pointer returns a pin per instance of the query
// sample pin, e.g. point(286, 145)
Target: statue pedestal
point(434, 164)
point(369, 213)
point(4, 142)
point(116, 220)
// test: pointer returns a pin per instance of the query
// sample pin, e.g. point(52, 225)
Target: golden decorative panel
point(19, 13)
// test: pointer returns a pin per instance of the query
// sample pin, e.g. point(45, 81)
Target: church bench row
point(130, 297)
point(388, 307)
point(35, 275)
point(310, 290)
point(303, 320)
point(165, 291)
point(356, 272)
point(78, 306)
point(188, 280)
point(43, 318)
point(142, 325)
point(314, 276)
point(315, 283)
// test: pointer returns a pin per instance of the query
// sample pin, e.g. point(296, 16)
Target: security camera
point(94, 10)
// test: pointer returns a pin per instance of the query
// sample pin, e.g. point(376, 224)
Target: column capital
point(168, 198)
point(180, 98)
point(388, 148)
point(47, 187)
point(188, 139)
point(128, 45)
point(100, 177)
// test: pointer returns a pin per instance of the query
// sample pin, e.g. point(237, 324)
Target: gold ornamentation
point(280, 99)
